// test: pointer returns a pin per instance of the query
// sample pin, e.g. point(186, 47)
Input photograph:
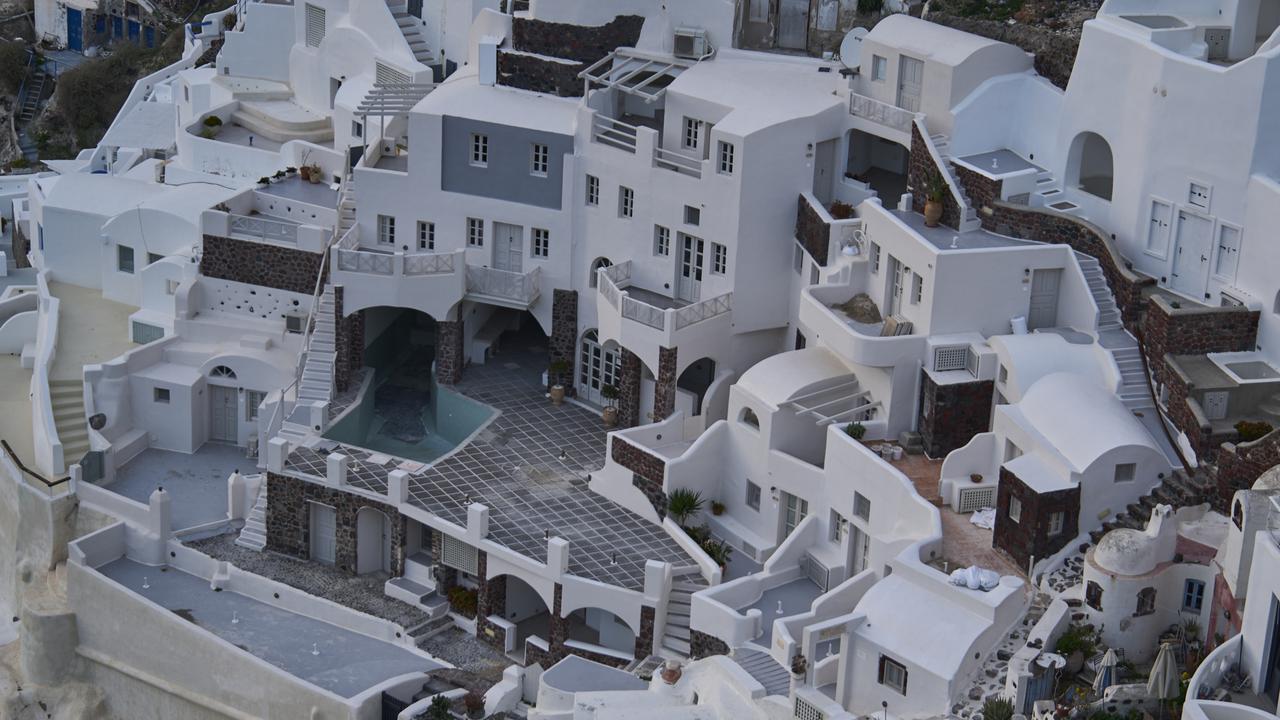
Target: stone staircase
point(1133, 391)
point(69, 419)
point(1108, 311)
point(411, 27)
point(969, 220)
point(685, 581)
point(1178, 490)
point(347, 205)
point(766, 671)
point(34, 94)
point(253, 535)
point(321, 352)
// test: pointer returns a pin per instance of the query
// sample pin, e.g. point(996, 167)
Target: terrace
point(288, 212)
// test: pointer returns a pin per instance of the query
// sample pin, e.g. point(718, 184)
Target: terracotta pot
point(557, 394)
point(610, 416)
point(305, 173)
point(932, 213)
point(1075, 662)
point(316, 177)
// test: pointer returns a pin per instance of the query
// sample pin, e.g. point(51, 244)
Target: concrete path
point(197, 483)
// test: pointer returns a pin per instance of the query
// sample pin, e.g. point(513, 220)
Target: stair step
point(676, 645)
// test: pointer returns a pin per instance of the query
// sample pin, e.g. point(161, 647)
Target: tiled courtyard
point(531, 467)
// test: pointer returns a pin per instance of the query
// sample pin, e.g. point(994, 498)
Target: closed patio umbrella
point(1164, 683)
point(1106, 676)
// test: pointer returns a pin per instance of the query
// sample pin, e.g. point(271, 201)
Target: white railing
point(614, 133)
point(491, 282)
point(263, 228)
point(677, 162)
point(428, 264)
point(612, 282)
point(643, 313)
point(881, 112)
point(363, 261)
point(705, 310)
point(45, 443)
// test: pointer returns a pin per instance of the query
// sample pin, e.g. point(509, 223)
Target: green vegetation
point(855, 430)
point(439, 709)
point(684, 504)
point(1250, 431)
point(1076, 639)
point(464, 601)
point(13, 66)
point(998, 709)
point(870, 7)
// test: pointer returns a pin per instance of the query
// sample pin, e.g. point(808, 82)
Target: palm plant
point(684, 504)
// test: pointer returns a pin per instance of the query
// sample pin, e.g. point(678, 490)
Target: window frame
point(539, 159)
point(879, 68)
point(593, 191)
point(1146, 602)
point(475, 232)
point(251, 407)
point(883, 676)
point(479, 150)
point(126, 256)
point(661, 240)
point(1193, 589)
point(426, 235)
point(1057, 520)
point(691, 137)
point(1132, 472)
point(719, 259)
point(386, 230)
point(161, 395)
point(626, 202)
point(1015, 510)
point(753, 496)
point(861, 506)
point(725, 157)
point(540, 243)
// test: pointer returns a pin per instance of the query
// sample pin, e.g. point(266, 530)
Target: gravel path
point(362, 593)
point(467, 653)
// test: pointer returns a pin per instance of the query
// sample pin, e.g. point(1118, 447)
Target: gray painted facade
point(508, 173)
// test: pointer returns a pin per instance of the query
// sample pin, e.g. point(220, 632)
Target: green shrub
point(998, 709)
point(208, 133)
point(870, 7)
point(439, 709)
point(463, 600)
point(855, 430)
point(718, 550)
point(90, 94)
point(841, 210)
point(213, 121)
point(1250, 431)
point(13, 66)
point(1076, 639)
point(684, 504)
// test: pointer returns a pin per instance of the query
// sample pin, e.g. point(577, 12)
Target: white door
point(597, 366)
point(224, 414)
point(324, 534)
point(1191, 254)
point(508, 247)
point(796, 509)
point(689, 281)
point(910, 82)
point(859, 547)
point(898, 282)
point(1044, 299)
point(793, 24)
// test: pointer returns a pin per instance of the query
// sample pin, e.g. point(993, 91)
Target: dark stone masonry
point(1240, 466)
point(812, 231)
point(664, 391)
point(1029, 536)
point(449, 355)
point(983, 191)
point(703, 645)
point(349, 342)
point(1167, 330)
point(564, 337)
point(255, 263)
point(629, 375)
point(950, 415)
point(491, 599)
point(289, 520)
point(565, 51)
point(644, 639)
point(648, 471)
point(535, 74)
point(919, 167)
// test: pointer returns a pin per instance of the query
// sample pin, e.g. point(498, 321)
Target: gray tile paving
point(196, 482)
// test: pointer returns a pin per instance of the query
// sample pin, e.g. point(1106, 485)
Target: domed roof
point(1126, 552)
point(1269, 480)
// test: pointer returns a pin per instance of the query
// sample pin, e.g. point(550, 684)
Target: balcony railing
point(522, 288)
point(363, 261)
point(614, 133)
point(677, 162)
point(880, 112)
point(262, 228)
point(705, 310)
point(613, 281)
point(429, 264)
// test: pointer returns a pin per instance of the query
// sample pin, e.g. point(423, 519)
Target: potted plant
point(556, 372)
point(935, 189)
point(718, 550)
point(474, 704)
point(799, 665)
point(975, 478)
point(440, 709)
point(610, 414)
point(316, 173)
point(855, 430)
point(684, 504)
point(304, 172)
point(717, 508)
point(264, 180)
point(1075, 644)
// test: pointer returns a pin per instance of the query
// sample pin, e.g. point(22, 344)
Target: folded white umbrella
point(1106, 676)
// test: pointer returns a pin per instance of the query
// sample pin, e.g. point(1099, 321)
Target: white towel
point(984, 518)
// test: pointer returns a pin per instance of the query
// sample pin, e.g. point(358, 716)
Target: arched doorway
point(1090, 165)
point(599, 364)
point(525, 608)
point(693, 383)
point(599, 627)
point(599, 264)
point(373, 541)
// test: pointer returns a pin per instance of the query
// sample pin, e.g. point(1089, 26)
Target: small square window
point(160, 395)
point(875, 258)
point(124, 258)
point(252, 399)
point(753, 495)
point(480, 150)
point(917, 288)
point(357, 129)
point(692, 215)
point(293, 323)
point(1015, 509)
point(1193, 596)
point(879, 68)
point(1126, 472)
point(725, 166)
point(541, 246)
point(719, 259)
point(1198, 195)
point(475, 232)
point(626, 202)
point(861, 506)
point(386, 230)
point(593, 190)
point(540, 161)
point(692, 133)
point(893, 675)
point(661, 241)
point(426, 235)
point(1055, 523)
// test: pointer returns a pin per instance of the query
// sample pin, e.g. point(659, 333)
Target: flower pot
point(557, 394)
point(1075, 662)
point(315, 177)
point(932, 213)
point(975, 478)
point(610, 416)
point(305, 173)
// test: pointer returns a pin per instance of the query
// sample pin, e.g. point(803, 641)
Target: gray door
point(1218, 40)
point(910, 82)
point(793, 24)
point(224, 414)
point(824, 168)
point(898, 282)
point(324, 534)
point(689, 281)
point(1191, 255)
point(508, 247)
point(1044, 299)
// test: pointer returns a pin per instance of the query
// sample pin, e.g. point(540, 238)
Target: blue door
point(134, 30)
point(149, 36)
point(117, 26)
point(75, 28)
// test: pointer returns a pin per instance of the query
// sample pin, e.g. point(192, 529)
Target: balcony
point(269, 229)
point(504, 287)
point(643, 138)
point(432, 282)
point(881, 113)
point(643, 320)
point(1220, 691)
point(858, 342)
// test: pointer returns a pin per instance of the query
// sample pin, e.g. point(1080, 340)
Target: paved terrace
point(530, 466)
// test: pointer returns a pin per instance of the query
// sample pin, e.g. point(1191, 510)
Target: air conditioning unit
point(691, 43)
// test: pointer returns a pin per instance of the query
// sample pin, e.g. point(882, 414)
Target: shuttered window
point(315, 25)
point(387, 75)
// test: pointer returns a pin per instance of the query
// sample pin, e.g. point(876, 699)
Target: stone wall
point(1082, 236)
point(449, 355)
point(919, 166)
point(644, 638)
point(983, 192)
point(491, 599)
point(1197, 330)
point(648, 470)
point(812, 231)
point(20, 246)
point(580, 45)
point(563, 343)
point(1240, 465)
point(1185, 413)
point(446, 577)
point(664, 390)
point(535, 74)
point(289, 520)
point(1029, 537)
point(950, 415)
point(703, 645)
point(629, 376)
point(349, 342)
point(255, 263)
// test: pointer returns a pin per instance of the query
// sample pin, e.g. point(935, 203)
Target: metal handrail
point(615, 133)
point(309, 326)
point(17, 462)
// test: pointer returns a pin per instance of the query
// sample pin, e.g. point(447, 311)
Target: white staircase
point(347, 205)
point(766, 671)
point(253, 535)
point(67, 397)
point(321, 352)
point(685, 581)
point(411, 27)
point(1108, 311)
point(969, 220)
point(1133, 381)
point(1048, 193)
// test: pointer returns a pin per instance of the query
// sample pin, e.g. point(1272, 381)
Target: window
point(749, 418)
point(797, 509)
point(252, 399)
point(1003, 374)
point(1126, 472)
point(692, 133)
point(1198, 195)
point(861, 506)
point(593, 190)
point(475, 232)
point(1055, 523)
point(124, 258)
point(726, 158)
point(893, 675)
point(479, 150)
point(293, 323)
point(1093, 595)
point(719, 258)
point(692, 215)
point(540, 160)
point(1193, 596)
point(626, 202)
point(154, 257)
point(1228, 251)
point(875, 258)
point(797, 259)
point(753, 495)
point(357, 130)
point(837, 527)
point(1015, 509)
point(386, 230)
point(917, 288)
point(541, 246)
point(661, 240)
point(1158, 228)
point(1146, 601)
point(222, 371)
point(426, 235)
point(879, 68)
point(160, 395)
point(315, 25)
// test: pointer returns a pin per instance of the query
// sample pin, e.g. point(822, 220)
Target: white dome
point(1126, 552)
point(1269, 480)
